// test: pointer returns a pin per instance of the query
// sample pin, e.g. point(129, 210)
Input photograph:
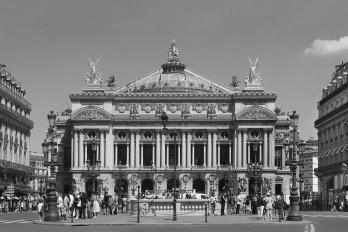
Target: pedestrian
point(269, 206)
point(248, 205)
point(222, 202)
point(40, 209)
point(280, 203)
point(83, 206)
point(96, 207)
point(21, 206)
point(212, 204)
point(260, 207)
point(239, 201)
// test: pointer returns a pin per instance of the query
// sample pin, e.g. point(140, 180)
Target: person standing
point(96, 207)
point(260, 207)
point(40, 209)
point(269, 206)
point(212, 205)
point(223, 202)
point(239, 202)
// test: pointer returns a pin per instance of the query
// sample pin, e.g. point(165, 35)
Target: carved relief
point(186, 110)
point(267, 184)
point(90, 114)
point(256, 114)
point(159, 109)
point(199, 107)
point(242, 184)
point(223, 107)
point(172, 107)
point(121, 107)
point(186, 178)
point(134, 111)
point(211, 111)
point(148, 107)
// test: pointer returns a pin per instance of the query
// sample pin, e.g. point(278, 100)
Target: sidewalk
point(123, 219)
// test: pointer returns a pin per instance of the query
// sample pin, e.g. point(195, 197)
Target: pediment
point(91, 113)
point(256, 113)
point(187, 81)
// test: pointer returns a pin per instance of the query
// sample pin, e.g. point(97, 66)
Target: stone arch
point(256, 113)
point(91, 113)
point(170, 184)
point(147, 184)
point(199, 185)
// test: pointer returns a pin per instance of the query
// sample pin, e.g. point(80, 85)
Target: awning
point(23, 189)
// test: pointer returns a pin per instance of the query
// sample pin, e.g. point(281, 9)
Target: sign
point(9, 192)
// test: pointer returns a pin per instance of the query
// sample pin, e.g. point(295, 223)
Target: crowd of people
point(264, 206)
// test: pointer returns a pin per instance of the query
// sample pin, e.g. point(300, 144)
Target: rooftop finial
point(173, 53)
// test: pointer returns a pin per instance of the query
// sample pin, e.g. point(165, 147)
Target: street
point(317, 221)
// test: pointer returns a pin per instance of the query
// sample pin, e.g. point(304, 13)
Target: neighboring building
point(332, 126)
point(309, 162)
point(14, 135)
point(210, 127)
point(39, 175)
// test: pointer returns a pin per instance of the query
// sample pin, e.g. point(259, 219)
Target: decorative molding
point(199, 107)
point(173, 107)
point(186, 111)
point(148, 107)
point(211, 111)
point(121, 107)
point(90, 113)
point(224, 107)
point(256, 113)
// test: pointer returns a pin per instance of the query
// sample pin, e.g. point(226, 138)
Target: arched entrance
point(121, 187)
point(170, 184)
point(147, 185)
point(255, 186)
point(93, 186)
point(223, 186)
point(199, 185)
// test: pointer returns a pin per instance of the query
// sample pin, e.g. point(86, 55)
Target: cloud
point(320, 47)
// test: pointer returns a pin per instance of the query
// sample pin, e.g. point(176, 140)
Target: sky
point(46, 45)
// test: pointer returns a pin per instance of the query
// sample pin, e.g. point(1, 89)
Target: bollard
point(138, 218)
point(206, 211)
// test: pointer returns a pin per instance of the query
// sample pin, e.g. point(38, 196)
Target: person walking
point(269, 206)
point(222, 202)
point(239, 201)
point(212, 205)
point(280, 206)
point(40, 209)
point(260, 207)
point(95, 207)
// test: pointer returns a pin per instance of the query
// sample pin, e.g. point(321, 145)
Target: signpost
point(9, 192)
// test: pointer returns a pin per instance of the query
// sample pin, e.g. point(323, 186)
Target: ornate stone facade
point(214, 131)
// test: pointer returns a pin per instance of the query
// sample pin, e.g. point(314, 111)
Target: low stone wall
point(165, 206)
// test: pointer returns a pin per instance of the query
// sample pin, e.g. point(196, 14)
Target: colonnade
point(238, 149)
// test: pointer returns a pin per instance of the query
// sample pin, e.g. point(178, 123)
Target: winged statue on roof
point(254, 77)
point(94, 76)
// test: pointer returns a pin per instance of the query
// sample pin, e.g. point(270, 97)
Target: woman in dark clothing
point(222, 201)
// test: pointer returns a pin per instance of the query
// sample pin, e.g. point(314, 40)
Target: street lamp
point(254, 173)
point(293, 163)
point(164, 119)
point(93, 168)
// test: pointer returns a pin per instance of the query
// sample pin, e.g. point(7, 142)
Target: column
point(81, 153)
point(158, 150)
point(271, 149)
point(183, 145)
point(260, 153)
point(204, 154)
point(137, 153)
point(248, 153)
point(193, 155)
point(102, 149)
point(235, 151)
point(239, 152)
point(117, 162)
point(153, 155)
point(245, 155)
point(76, 150)
point(214, 148)
point(189, 137)
point(209, 149)
point(142, 155)
point(71, 150)
point(179, 154)
point(127, 164)
point(163, 150)
point(283, 157)
point(230, 153)
point(132, 151)
point(109, 149)
point(167, 155)
point(85, 155)
point(218, 155)
point(265, 148)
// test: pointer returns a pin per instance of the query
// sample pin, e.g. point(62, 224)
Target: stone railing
point(165, 206)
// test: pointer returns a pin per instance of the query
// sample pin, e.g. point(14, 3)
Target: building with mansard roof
point(15, 126)
point(332, 126)
point(213, 133)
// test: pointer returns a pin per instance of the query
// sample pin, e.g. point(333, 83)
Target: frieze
point(199, 107)
point(121, 107)
point(90, 114)
point(186, 110)
point(148, 107)
point(173, 107)
point(134, 111)
point(267, 184)
point(256, 113)
point(160, 108)
point(211, 111)
point(223, 107)
point(242, 184)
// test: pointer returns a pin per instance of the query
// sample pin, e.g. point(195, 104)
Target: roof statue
point(94, 77)
point(111, 82)
point(173, 53)
point(253, 80)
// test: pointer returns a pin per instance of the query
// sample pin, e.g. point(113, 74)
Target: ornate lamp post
point(164, 119)
point(254, 173)
point(93, 168)
point(293, 163)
